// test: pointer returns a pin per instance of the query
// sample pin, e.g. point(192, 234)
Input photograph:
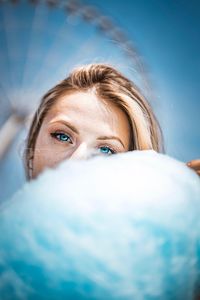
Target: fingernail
point(189, 164)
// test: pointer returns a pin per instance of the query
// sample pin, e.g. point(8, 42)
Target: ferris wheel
point(40, 41)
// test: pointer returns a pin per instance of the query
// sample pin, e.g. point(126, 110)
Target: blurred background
point(155, 43)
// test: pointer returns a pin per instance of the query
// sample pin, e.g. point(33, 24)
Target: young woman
point(94, 111)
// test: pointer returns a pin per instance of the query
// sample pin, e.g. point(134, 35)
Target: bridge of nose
point(81, 152)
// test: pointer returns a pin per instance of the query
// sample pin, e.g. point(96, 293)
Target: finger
point(196, 171)
point(194, 164)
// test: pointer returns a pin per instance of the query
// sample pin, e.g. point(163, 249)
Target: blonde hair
point(108, 84)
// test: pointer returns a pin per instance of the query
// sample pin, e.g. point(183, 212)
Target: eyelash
point(56, 134)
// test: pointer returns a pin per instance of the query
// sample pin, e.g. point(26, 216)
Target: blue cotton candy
point(117, 228)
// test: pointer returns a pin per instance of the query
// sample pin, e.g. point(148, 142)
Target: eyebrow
point(66, 124)
point(112, 137)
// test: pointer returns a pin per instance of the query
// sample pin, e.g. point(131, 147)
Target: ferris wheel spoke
point(34, 50)
point(8, 132)
point(57, 48)
point(5, 80)
point(11, 43)
point(82, 55)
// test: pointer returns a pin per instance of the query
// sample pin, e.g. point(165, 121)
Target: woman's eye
point(106, 150)
point(61, 137)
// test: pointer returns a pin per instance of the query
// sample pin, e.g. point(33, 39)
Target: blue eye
point(106, 150)
point(61, 137)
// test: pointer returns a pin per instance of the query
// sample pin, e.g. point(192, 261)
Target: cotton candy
point(121, 227)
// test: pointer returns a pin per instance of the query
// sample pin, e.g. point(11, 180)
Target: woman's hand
point(195, 165)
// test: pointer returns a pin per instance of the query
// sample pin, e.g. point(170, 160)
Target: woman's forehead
point(81, 100)
point(88, 105)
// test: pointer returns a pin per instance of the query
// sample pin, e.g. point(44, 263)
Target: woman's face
point(78, 126)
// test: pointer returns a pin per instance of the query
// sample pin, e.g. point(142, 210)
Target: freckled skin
point(92, 118)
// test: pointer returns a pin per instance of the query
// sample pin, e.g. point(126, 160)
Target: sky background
point(39, 46)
